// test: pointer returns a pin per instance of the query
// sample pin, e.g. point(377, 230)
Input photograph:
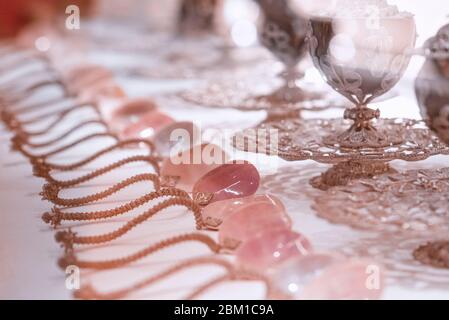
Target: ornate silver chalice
point(361, 61)
point(432, 93)
point(432, 84)
point(283, 33)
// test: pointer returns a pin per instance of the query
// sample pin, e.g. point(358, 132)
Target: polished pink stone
point(147, 125)
point(267, 249)
point(251, 220)
point(230, 180)
point(81, 71)
point(130, 112)
point(104, 90)
point(215, 213)
point(190, 165)
point(326, 276)
point(85, 76)
point(135, 108)
point(176, 137)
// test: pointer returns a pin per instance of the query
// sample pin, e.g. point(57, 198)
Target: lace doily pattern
point(286, 180)
point(395, 252)
point(414, 201)
point(303, 139)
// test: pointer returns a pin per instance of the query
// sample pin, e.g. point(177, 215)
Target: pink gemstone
point(215, 213)
point(102, 91)
point(134, 109)
point(251, 220)
point(325, 276)
point(86, 70)
point(176, 137)
point(85, 76)
point(230, 180)
point(131, 112)
point(267, 249)
point(189, 166)
point(147, 125)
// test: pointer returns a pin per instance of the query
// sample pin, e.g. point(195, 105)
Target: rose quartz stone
point(83, 71)
point(130, 112)
point(85, 76)
point(176, 137)
point(267, 249)
point(134, 109)
point(251, 220)
point(230, 180)
point(189, 166)
point(215, 213)
point(147, 125)
point(102, 91)
point(326, 276)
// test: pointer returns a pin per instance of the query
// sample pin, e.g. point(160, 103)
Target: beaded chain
point(12, 116)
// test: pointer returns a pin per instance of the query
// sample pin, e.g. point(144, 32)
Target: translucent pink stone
point(215, 213)
point(84, 76)
point(230, 180)
point(104, 90)
point(267, 249)
point(131, 112)
point(147, 125)
point(251, 220)
point(84, 71)
point(189, 166)
point(175, 138)
point(134, 109)
point(325, 276)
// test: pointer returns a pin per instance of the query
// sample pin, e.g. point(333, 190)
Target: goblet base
point(288, 95)
point(414, 201)
point(362, 133)
point(341, 173)
point(250, 94)
point(435, 254)
point(309, 139)
point(366, 138)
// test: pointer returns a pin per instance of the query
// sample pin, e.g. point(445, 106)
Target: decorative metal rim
point(289, 129)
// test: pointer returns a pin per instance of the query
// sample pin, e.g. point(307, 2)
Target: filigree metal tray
point(303, 139)
point(253, 94)
point(412, 201)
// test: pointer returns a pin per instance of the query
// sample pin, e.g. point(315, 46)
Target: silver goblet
point(432, 84)
point(362, 60)
point(283, 32)
point(197, 16)
point(432, 93)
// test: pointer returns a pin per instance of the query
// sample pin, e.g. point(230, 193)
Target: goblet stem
point(344, 172)
point(362, 116)
point(362, 133)
point(289, 92)
point(227, 58)
point(290, 75)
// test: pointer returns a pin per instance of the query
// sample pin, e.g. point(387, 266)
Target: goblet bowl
point(362, 59)
point(432, 84)
point(197, 16)
point(283, 32)
point(359, 60)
